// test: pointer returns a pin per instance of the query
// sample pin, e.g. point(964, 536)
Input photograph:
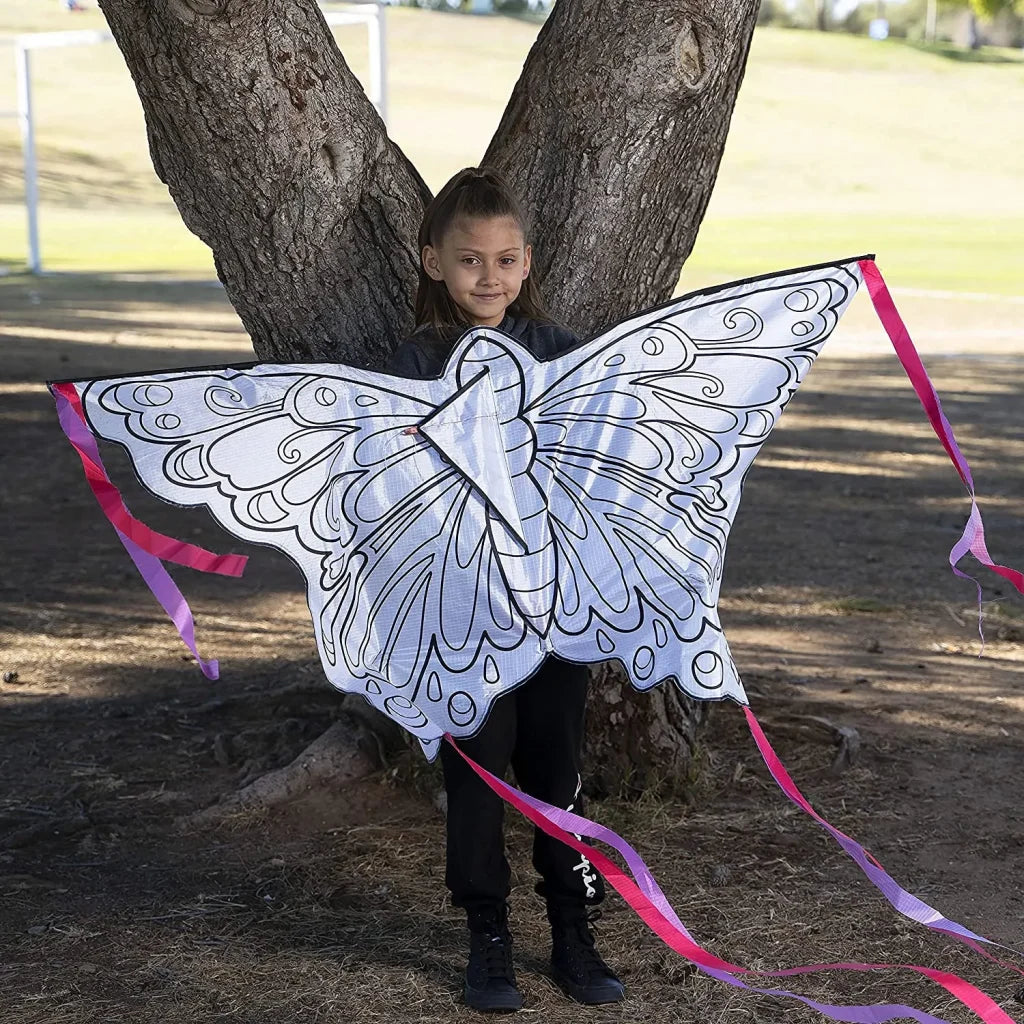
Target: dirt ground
point(837, 605)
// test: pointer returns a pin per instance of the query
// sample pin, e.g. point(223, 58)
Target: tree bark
point(274, 156)
point(639, 742)
point(613, 136)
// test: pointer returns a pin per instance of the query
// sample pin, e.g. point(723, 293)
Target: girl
point(475, 270)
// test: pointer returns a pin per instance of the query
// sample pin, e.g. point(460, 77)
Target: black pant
point(538, 729)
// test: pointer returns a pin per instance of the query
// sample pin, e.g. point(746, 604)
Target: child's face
point(483, 263)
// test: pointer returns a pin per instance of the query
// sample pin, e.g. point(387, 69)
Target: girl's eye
point(508, 260)
point(469, 259)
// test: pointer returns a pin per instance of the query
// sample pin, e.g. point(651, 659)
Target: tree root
point(846, 738)
point(347, 751)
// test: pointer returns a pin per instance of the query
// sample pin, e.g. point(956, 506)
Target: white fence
point(372, 16)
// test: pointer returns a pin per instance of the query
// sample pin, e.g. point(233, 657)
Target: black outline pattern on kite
point(455, 531)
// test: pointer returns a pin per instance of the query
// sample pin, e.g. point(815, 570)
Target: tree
point(276, 159)
point(986, 9)
point(990, 8)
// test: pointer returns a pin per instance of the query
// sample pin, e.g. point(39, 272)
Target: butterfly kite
point(453, 532)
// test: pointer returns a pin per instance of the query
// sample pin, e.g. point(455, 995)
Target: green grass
point(107, 239)
point(838, 145)
point(954, 253)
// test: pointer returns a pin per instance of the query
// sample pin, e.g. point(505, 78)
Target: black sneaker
point(577, 966)
point(490, 977)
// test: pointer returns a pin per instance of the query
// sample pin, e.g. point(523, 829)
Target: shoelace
point(582, 942)
point(589, 957)
point(497, 957)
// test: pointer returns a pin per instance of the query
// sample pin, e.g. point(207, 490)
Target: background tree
point(277, 160)
point(992, 8)
point(969, 32)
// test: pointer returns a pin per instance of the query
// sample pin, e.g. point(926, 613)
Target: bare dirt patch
point(837, 608)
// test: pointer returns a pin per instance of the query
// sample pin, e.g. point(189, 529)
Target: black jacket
point(423, 353)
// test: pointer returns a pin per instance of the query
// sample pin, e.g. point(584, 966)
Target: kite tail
point(642, 892)
point(973, 537)
point(906, 903)
point(145, 546)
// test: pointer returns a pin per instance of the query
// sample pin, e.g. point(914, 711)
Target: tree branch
point(277, 160)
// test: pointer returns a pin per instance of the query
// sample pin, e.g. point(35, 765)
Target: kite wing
point(317, 461)
point(644, 436)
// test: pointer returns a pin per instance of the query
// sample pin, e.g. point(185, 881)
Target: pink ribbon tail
point(109, 497)
point(644, 896)
point(973, 537)
point(146, 547)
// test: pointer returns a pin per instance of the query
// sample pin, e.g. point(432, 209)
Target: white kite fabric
point(453, 532)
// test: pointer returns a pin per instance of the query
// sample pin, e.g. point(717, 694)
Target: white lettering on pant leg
point(588, 875)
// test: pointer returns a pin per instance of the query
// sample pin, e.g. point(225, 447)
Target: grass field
point(838, 146)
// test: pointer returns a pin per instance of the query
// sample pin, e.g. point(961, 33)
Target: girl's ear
point(431, 263)
point(527, 256)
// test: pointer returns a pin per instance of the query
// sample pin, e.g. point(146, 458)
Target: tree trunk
point(973, 35)
point(639, 742)
point(275, 158)
point(613, 137)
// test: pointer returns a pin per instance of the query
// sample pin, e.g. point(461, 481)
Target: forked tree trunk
point(277, 160)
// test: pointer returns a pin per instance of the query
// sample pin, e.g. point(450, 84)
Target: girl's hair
point(473, 192)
